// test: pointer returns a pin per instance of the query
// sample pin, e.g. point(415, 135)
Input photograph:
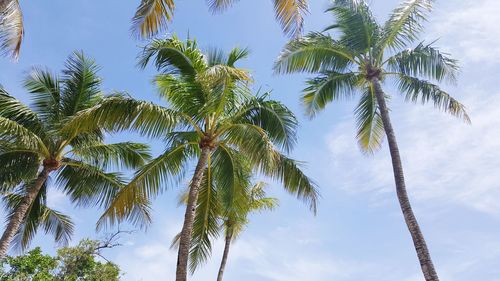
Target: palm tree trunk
point(187, 228)
point(411, 222)
point(229, 236)
point(20, 212)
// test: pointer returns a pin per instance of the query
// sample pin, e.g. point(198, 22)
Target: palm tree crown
point(34, 140)
point(361, 50)
point(212, 119)
point(358, 60)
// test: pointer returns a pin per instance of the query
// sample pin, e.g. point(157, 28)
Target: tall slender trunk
point(411, 222)
point(20, 212)
point(229, 237)
point(187, 228)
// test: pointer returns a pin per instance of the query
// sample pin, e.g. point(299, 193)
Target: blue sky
point(359, 233)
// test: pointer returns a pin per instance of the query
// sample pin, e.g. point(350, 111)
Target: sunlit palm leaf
point(151, 17)
point(405, 23)
point(11, 27)
point(116, 155)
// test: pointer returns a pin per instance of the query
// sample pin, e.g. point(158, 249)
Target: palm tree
point(11, 27)
point(235, 216)
point(35, 144)
point(358, 60)
point(152, 16)
point(221, 210)
point(212, 120)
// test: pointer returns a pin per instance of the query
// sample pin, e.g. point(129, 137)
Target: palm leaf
point(312, 53)
point(151, 17)
point(424, 60)
point(425, 91)
point(370, 129)
point(405, 23)
point(117, 155)
point(11, 27)
point(327, 87)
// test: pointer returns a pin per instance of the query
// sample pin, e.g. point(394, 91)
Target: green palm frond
point(87, 185)
point(117, 112)
point(312, 53)
point(327, 87)
point(29, 225)
point(40, 215)
point(11, 28)
point(360, 30)
point(116, 155)
point(147, 183)
point(420, 90)
point(13, 109)
point(206, 222)
point(288, 172)
point(370, 130)
point(405, 23)
point(151, 17)
point(10, 161)
point(173, 56)
point(80, 84)
point(47, 94)
point(424, 60)
point(275, 119)
point(16, 133)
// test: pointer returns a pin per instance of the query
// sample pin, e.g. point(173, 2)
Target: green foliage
point(359, 50)
point(37, 136)
point(210, 105)
point(76, 263)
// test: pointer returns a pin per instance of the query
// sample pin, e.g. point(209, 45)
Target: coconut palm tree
point(11, 27)
point(212, 120)
point(221, 210)
point(35, 145)
point(152, 16)
point(361, 57)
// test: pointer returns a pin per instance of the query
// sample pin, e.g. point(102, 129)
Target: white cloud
point(444, 159)
point(470, 28)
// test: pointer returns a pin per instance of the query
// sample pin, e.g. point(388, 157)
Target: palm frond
point(206, 223)
point(312, 53)
point(360, 31)
point(147, 183)
point(327, 87)
point(416, 89)
point(288, 172)
point(425, 60)
point(173, 56)
point(117, 112)
point(16, 133)
point(87, 185)
point(11, 108)
point(370, 129)
point(11, 160)
point(116, 155)
point(405, 23)
point(11, 28)
point(290, 15)
point(273, 117)
point(152, 17)
point(47, 94)
point(217, 6)
point(80, 84)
